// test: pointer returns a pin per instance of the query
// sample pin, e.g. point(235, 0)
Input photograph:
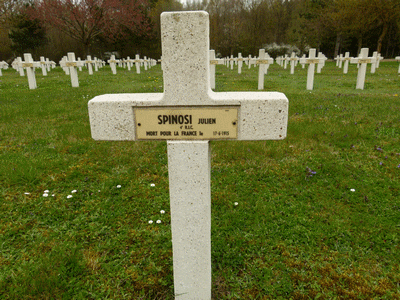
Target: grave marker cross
point(362, 60)
point(311, 60)
point(293, 61)
point(196, 114)
point(398, 59)
point(346, 60)
point(89, 62)
point(113, 64)
point(43, 65)
point(213, 62)
point(72, 64)
point(263, 61)
point(30, 66)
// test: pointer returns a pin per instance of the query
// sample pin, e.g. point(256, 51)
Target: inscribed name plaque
point(186, 123)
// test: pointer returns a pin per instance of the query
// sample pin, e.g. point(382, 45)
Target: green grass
point(298, 231)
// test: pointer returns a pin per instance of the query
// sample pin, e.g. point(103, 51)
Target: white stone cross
point(19, 67)
point(80, 64)
point(63, 64)
point(398, 59)
point(3, 65)
point(89, 62)
point(240, 63)
point(337, 58)
point(311, 60)
point(145, 63)
point(346, 60)
point(302, 59)
point(43, 65)
point(379, 58)
point(322, 58)
point(269, 61)
point(30, 66)
point(361, 60)
point(113, 64)
point(249, 61)
point(188, 114)
point(374, 62)
point(129, 63)
point(213, 62)
point(97, 63)
point(293, 61)
point(137, 62)
point(285, 61)
point(264, 60)
point(72, 64)
point(231, 61)
point(340, 61)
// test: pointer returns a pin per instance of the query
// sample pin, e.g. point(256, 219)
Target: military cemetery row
point(70, 65)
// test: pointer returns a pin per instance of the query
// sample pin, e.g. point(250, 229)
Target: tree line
point(52, 28)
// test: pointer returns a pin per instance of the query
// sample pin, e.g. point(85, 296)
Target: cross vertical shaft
point(189, 170)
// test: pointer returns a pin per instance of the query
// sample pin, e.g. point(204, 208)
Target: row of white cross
point(374, 60)
point(128, 63)
point(71, 65)
point(362, 60)
point(293, 60)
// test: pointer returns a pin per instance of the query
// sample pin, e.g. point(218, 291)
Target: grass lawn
point(317, 214)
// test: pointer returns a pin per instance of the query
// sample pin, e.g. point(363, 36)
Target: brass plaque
point(364, 61)
point(213, 62)
point(262, 62)
point(70, 64)
point(27, 65)
point(313, 61)
point(186, 123)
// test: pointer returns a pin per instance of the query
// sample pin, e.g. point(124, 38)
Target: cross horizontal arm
point(261, 115)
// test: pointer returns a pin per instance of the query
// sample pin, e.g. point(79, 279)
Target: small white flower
point(45, 195)
point(69, 196)
point(158, 222)
point(151, 222)
point(46, 191)
point(74, 191)
point(53, 195)
point(98, 191)
point(236, 203)
point(27, 193)
point(152, 184)
point(352, 190)
point(162, 211)
point(118, 186)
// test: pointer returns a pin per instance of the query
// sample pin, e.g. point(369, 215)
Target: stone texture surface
point(190, 200)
